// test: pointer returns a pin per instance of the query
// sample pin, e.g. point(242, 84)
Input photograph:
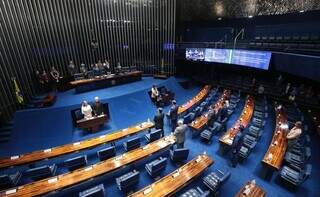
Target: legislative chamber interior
point(153, 98)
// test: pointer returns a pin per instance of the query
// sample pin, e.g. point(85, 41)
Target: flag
point(18, 92)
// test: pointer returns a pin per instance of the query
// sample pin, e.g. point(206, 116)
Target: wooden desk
point(199, 97)
point(73, 147)
point(244, 119)
point(85, 85)
point(256, 191)
point(93, 123)
point(277, 149)
point(176, 180)
point(71, 178)
point(199, 123)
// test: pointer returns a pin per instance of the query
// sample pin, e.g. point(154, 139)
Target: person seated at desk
point(236, 146)
point(119, 69)
point(154, 93)
point(55, 75)
point(96, 69)
point(106, 68)
point(97, 107)
point(294, 134)
point(83, 69)
point(86, 110)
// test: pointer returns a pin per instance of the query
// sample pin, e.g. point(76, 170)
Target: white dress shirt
point(86, 111)
point(154, 92)
point(294, 133)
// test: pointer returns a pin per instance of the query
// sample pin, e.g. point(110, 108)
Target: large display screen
point(195, 54)
point(255, 59)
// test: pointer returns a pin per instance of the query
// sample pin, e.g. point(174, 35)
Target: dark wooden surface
point(256, 191)
point(244, 119)
point(278, 146)
point(85, 85)
point(176, 180)
point(92, 123)
point(71, 178)
point(69, 148)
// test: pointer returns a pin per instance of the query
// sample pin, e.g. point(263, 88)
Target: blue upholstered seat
point(106, 153)
point(96, 191)
point(257, 122)
point(295, 177)
point(132, 144)
point(189, 117)
point(155, 167)
point(179, 154)
point(76, 162)
point(8, 181)
point(195, 193)
point(255, 131)
point(41, 172)
point(215, 179)
point(153, 135)
point(249, 142)
point(258, 114)
point(128, 180)
point(206, 135)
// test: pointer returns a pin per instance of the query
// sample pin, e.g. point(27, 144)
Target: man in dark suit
point(173, 115)
point(236, 146)
point(158, 120)
point(179, 133)
point(97, 107)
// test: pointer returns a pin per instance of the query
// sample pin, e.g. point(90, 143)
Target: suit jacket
point(97, 108)
point(237, 143)
point(158, 120)
point(174, 112)
point(179, 133)
point(223, 113)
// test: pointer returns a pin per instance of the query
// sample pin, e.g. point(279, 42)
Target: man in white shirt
point(86, 110)
point(294, 134)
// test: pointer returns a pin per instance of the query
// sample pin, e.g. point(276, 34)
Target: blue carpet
point(129, 106)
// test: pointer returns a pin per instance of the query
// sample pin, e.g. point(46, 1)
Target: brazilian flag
point(19, 95)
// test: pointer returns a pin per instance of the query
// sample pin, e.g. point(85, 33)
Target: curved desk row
point(73, 147)
point(92, 142)
point(277, 149)
point(171, 183)
point(199, 97)
point(202, 120)
point(68, 179)
point(244, 119)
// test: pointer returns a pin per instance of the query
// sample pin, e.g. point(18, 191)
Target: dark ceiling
point(195, 10)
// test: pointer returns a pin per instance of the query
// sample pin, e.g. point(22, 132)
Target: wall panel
point(38, 34)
